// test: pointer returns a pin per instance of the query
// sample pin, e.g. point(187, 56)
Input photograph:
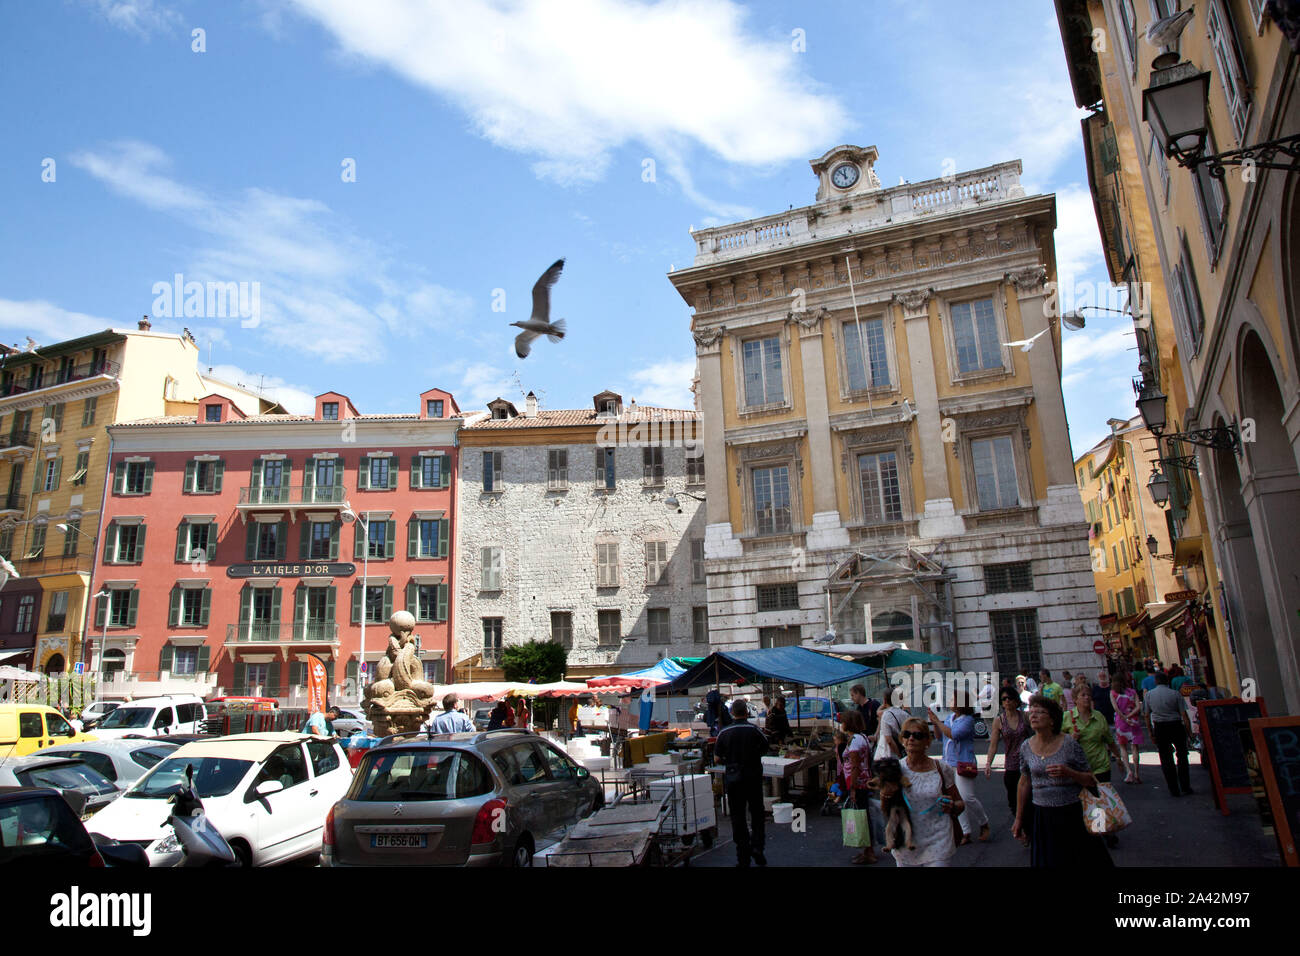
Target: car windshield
point(401, 775)
point(213, 777)
point(67, 777)
point(128, 717)
point(149, 756)
point(40, 827)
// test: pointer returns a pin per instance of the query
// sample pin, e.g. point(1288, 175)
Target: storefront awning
point(1164, 614)
point(792, 665)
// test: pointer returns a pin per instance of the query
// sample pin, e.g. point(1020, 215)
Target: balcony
point(47, 563)
point(75, 373)
point(13, 502)
point(299, 632)
point(292, 497)
point(17, 440)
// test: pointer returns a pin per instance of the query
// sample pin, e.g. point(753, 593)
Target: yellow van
point(26, 728)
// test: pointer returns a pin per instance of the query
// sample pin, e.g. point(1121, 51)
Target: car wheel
point(243, 853)
point(707, 837)
point(522, 855)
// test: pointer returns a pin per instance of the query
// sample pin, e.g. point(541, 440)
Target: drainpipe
point(94, 556)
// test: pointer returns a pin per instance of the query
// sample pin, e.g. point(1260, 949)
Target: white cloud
point(142, 17)
point(1078, 242)
point(1090, 347)
point(47, 323)
point(479, 383)
point(298, 399)
point(570, 82)
point(323, 290)
point(667, 384)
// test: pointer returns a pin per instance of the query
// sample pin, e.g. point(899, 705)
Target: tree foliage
point(540, 662)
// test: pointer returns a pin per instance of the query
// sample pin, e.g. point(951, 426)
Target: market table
point(781, 770)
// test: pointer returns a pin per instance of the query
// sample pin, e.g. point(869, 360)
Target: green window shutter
point(412, 538)
point(119, 477)
point(329, 605)
point(444, 534)
point(133, 607)
point(304, 538)
point(363, 474)
point(58, 468)
point(273, 679)
point(356, 603)
point(308, 478)
point(299, 609)
point(189, 476)
point(101, 611)
point(250, 541)
point(212, 541)
point(394, 466)
point(245, 604)
point(275, 605)
point(139, 544)
point(218, 472)
point(241, 678)
point(297, 673)
point(412, 590)
point(444, 472)
point(442, 603)
point(359, 541)
point(165, 658)
point(255, 481)
point(388, 602)
point(416, 476)
point(338, 480)
point(390, 539)
point(205, 612)
point(174, 615)
point(148, 477)
point(286, 489)
point(205, 658)
point(336, 532)
point(352, 671)
point(280, 540)
point(110, 542)
point(183, 541)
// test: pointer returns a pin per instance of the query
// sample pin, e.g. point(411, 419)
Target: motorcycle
point(199, 841)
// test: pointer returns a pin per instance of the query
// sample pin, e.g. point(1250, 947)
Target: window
point(80, 469)
point(652, 467)
point(492, 641)
point(700, 625)
point(1123, 555)
point(778, 597)
point(562, 628)
point(26, 612)
point(270, 480)
point(521, 765)
point(190, 607)
point(778, 637)
point(557, 469)
point(71, 537)
point(268, 540)
point(314, 614)
point(656, 561)
point(329, 411)
point(697, 561)
point(324, 478)
point(1231, 67)
point(122, 603)
point(435, 672)
point(695, 469)
point(7, 542)
point(124, 543)
point(376, 603)
point(491, 572)
point(203, 477)
point(35, 542)
point(1004, 578)
point(1128, 22)
point(51, 480)
point(212, 413)
point(995, 473)
point(772, 500)
point(492, 479)
point(378, 537)
point(878, 479)
point(605, 475)
point(286, 766)
point(322, 545)
point(1016, 646)
point(762, 371)
point(54, 413)
point(427, 537)
point(870, 348)
point(610, 625)
point(1162, 165)
point(1212, 201)
point(58, 612)
point(185, 661)
point(975, 336)
point(1187, 300)
point(660, 626)
point(88, 412)
point(433, 407)
point(431, 471)
point(324, 756)
point(607, 565)
point(379, 472)
point(428, 602)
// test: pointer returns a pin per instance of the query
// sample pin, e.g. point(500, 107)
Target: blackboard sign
point(1221, 724)
point(1277, 746)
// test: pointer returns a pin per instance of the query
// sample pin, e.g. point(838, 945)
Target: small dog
point(889, 780)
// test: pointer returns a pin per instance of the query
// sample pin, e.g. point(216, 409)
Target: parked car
point(94, 713)
point(26, 728)
point(267, 794)
point(482, 717)
point(350, 721)
point(472, 799)
point(154, 717)
point(63, 774)
point(122, 761)
point(38, 828)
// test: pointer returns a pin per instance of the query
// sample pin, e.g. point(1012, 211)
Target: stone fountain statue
point(401, 699)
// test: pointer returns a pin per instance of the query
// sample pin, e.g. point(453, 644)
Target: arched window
point(55, 665)
point(891, 626)
point(114, 661)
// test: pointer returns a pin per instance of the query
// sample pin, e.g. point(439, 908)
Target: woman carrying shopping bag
point(856, 816)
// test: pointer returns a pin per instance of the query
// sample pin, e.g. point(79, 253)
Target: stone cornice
point(282, 436)
point(53, 395)
point(764, 433)
point(985, 402)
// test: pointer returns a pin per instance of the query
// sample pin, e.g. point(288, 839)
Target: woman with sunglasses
point(1049, 813)
point(1011, 727)
point(932, 797)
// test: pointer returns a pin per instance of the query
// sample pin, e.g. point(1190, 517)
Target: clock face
point(844, 175)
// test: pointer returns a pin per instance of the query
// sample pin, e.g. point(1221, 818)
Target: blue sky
point(488, 140)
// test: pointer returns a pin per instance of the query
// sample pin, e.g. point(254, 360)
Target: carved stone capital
point(706, 340)
point(808, 320)
point(914, 302)
point(1028, 280)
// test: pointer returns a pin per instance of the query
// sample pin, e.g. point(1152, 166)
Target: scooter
point(200, 842)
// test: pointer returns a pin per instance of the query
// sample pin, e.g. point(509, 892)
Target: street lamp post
point(103, 640)
point(349, 515)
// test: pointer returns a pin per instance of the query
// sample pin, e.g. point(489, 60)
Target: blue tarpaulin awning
point(793, 665)
point(665, 670)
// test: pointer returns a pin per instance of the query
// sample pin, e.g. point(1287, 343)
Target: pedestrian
point(889, 726)
point(1176, 677)
point(1067, 690)
point(1022, 690)
point(1101, 697)
point(1128, 726)
point(502, 716)
point(957, 730)
point(452, 720)
point(1049, 813)
point(857, 764)
point(523, 718)
point(777, 724)
point(1092, 732)
point(933, 797)
point(322, 723)
point(740, 747)
point(574, 720)
point(1050, 688)
point(866, 706)
point(1011, 727)
point(1166, 714)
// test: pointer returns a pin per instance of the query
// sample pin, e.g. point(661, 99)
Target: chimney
point(144, 324)
point(530, 405)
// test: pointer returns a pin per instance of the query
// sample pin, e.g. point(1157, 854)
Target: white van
point(154, 717)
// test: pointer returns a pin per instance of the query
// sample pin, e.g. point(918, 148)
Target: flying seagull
point(31, 344)
point(1024, 344)
point(1164, 33)
point(539, 323)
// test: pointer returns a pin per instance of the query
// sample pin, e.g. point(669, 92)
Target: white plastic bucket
point(782, 813)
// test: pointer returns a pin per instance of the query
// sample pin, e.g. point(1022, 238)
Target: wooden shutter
point(308, 478)
point(255, 482)
point(329, 606)
point(281, 540)
point(487, 471)
point(212, 540)
point(444, 472)
point(250, 541)
point(357, 599)
point(363, 474)
point(174, 615)
point(275, 605)
point(245, 604)
point(336, 532)
point(241, 678)
point(273, 679)
point(390, 538)
point(133, 607)
point(110, 543)
point(165, 658)
point(297, 673)
point(119, 477)
point(205, 652)
point(394, 466)
point(359, 541)
point(218, 472)
point(412, 537)
point(101, 613)
point(205, 612)
point(58, 467)
point(183, 541)
point(388, 601)
point(412, 595)
point(441, 614)
point(148, 477)
point(189, 487)
point(286, 489)
point(299, 612)
point(444, 533)
point(416, 475)
point(304, 538)
point(139, 544)
point(352, 671)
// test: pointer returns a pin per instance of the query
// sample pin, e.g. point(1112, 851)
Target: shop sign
point(296, 569)
point(1173, 597)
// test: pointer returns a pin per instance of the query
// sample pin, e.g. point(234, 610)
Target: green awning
point(906, 658)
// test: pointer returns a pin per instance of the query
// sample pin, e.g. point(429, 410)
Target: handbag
point(855, 826)
point(1104, 812)
point(967, 768)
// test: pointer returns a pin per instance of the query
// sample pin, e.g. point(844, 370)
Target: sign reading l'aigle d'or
point(295, 569)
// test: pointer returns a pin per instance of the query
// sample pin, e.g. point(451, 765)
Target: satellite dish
point(1073, 320)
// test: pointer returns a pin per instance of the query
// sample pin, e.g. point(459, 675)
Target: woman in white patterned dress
point(932, 799)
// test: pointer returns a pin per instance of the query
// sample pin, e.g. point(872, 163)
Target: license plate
point(394, 841)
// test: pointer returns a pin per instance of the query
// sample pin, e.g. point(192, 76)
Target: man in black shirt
point(741, 747)
point(866, 706)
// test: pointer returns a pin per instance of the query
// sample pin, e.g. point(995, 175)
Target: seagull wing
point(524, 343)
point(1016, 344)
point(542, 292)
